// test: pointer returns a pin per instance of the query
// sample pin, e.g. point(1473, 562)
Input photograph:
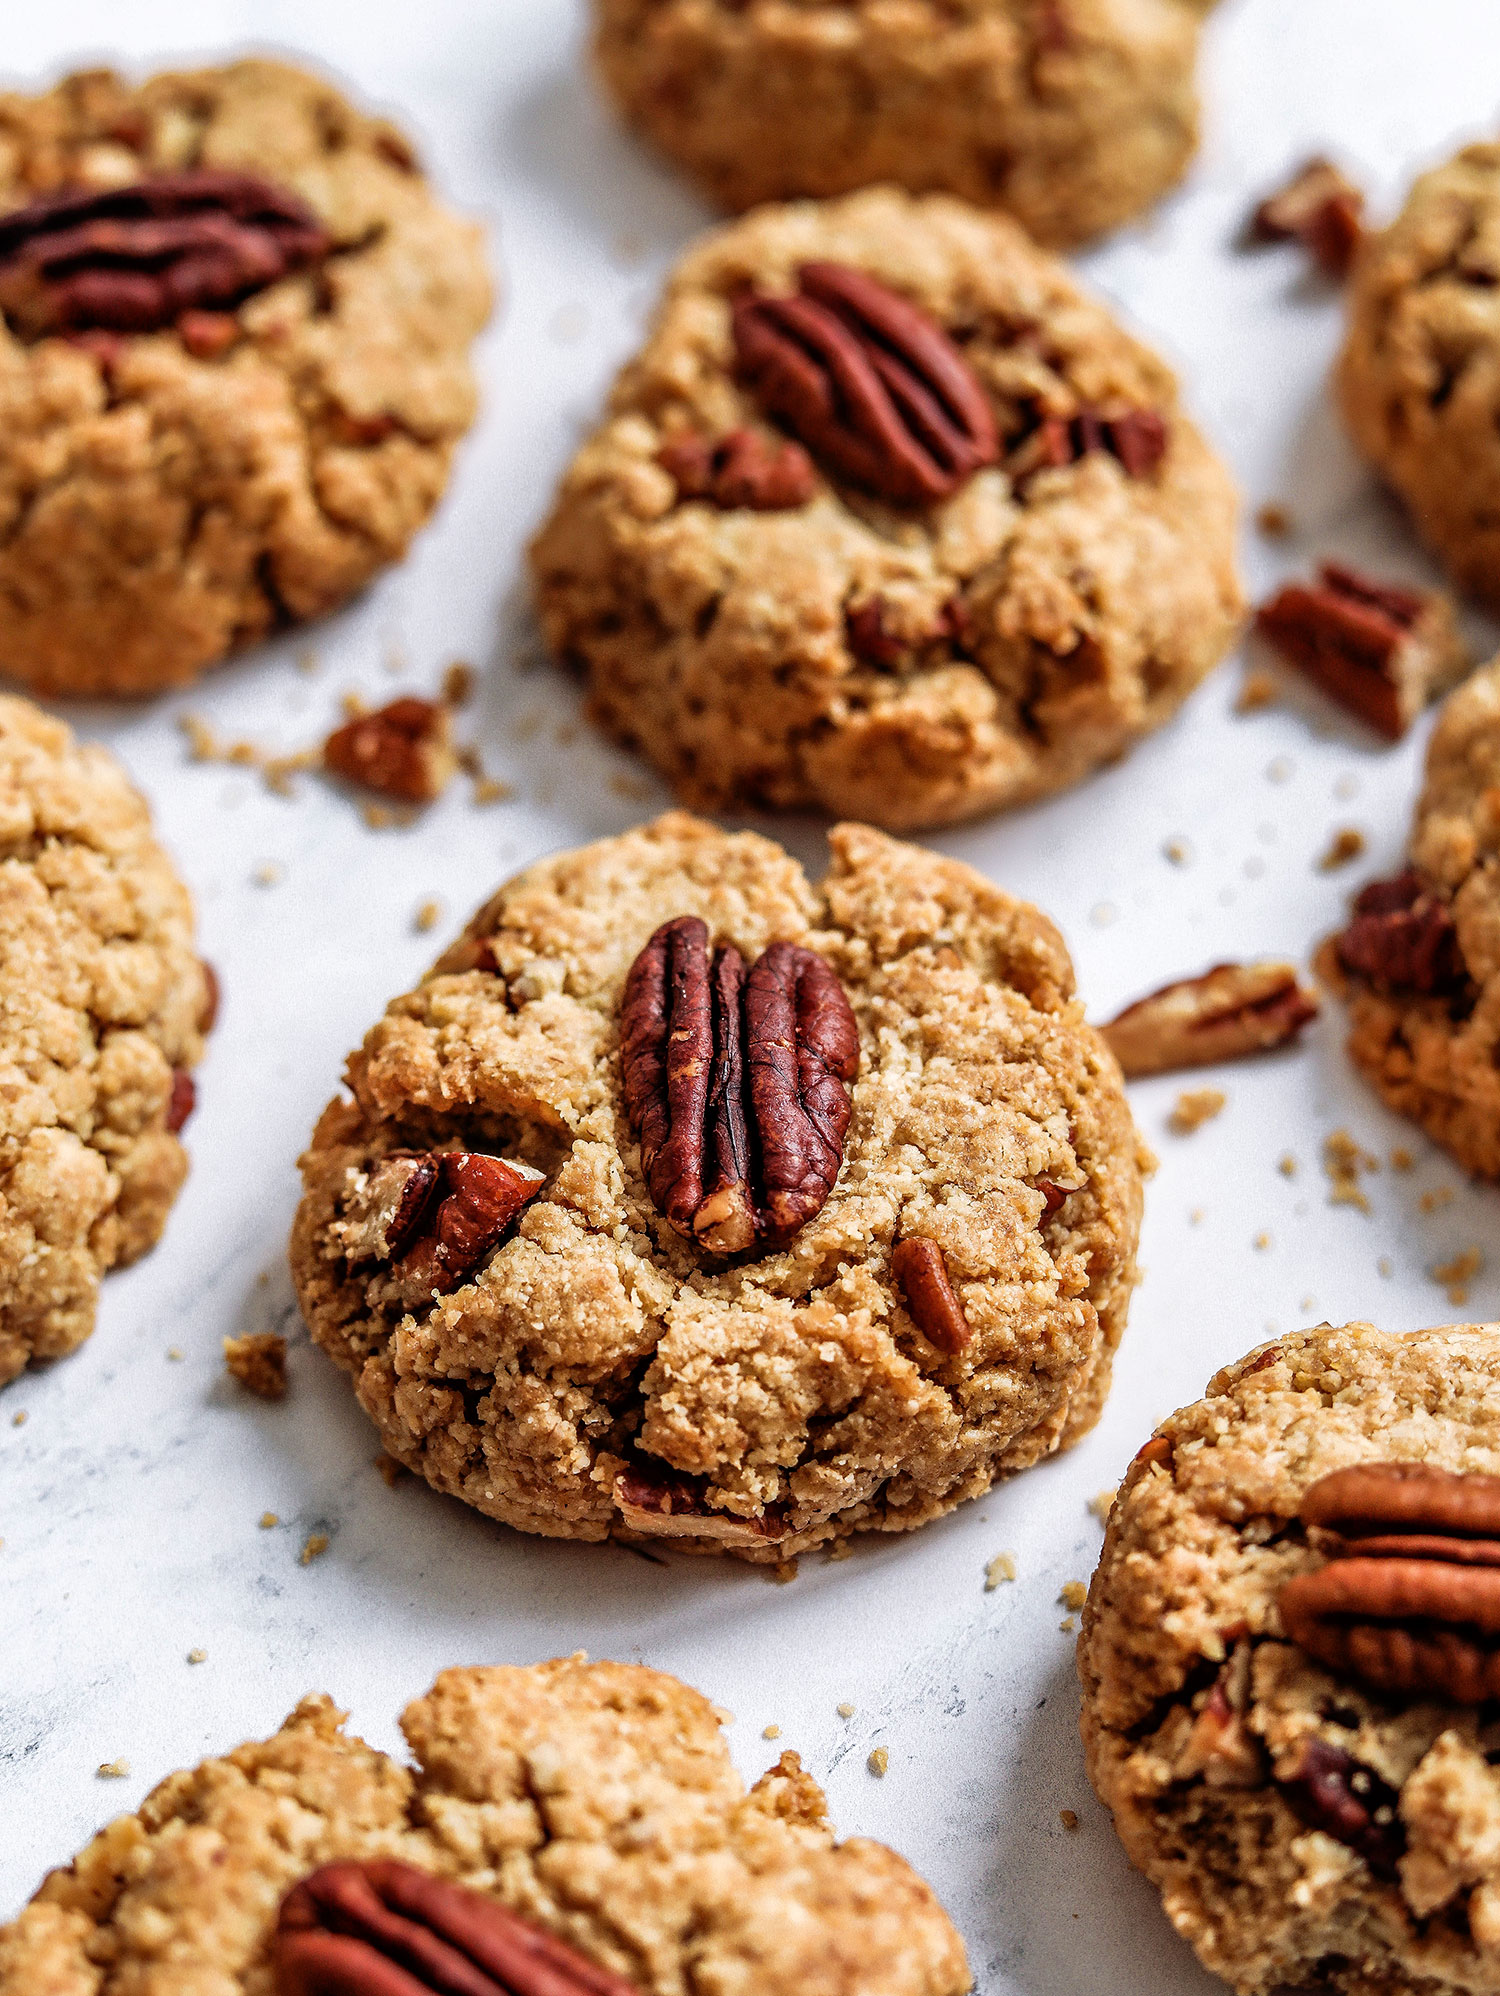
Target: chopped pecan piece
point(402, 750)
point(736, 1084)
point(136, 258)
point(208, 1016)
point(1221, 1747)
point(388, 1208)
point(1137, 438)
point(868, 382)
point(482, 1198)
point(207, 334)
point(663, 1504)
point(1322, 209)
point(258, 1362)
point(1403, 939)
point(921, 1270)
point(183, 1099)
point(872, 638)
point(1331, 1791)
point(383, 1928)
point(1381, 651)
point(1230, 1011)
point(743, 469)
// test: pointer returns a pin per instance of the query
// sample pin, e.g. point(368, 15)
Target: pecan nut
point(133, 259)
point(1231, 1011)
point(736, 1084)
point(665, 1504)
point(388, 1207)
point(1403, 939)
point(1381, 651)
point(1331, 1791)
point(869, 382)
point(1408, 1509)
point(404, 749)
point(1319, 207)
point(383, 1928)
point(183, 1099)
point(742, 470)
point(435, 1216)
point(1136, 438)
point(921, 1269)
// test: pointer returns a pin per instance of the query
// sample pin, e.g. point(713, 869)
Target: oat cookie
point(233, 424)
point(744, 1366)
point(1418, 370)
point(103, 1007)
point(1419, 962)
point(597, 1800)
point(1073, 115)
point(1326, 1811)
point(991, 554)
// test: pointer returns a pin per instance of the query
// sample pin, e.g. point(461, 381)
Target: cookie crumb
point(353, 706)
point(1287, 1165)
point(268, 1520)
point(1178, 851)
point(1194, 1108)
point(771, 1733)
point(783, 1572)
point(1347, 844)
point(1103, 913)
point(427, 917)
point(18, 1419)
point(1402, 1159)
point(1275, 520)
point(1074, 1594)
point(1386, 1267)
point(1456, 1275)
point(113, 1770)
point(316, 1546)
point(379, 817)
point(1067, 1625)
point(391, 1471)
point(1001, 1567)
point(490, 790)
point(458, 683)
point(1280, 769)
point(1103, 1502)
point(265, 873)
point(1196, 1217)
point(879, 1760)
point(841, 1549)
point(846, 1711)
point(308, 660)
point(174, 1352)
point(197, 1656)
point(1258, 690)
point(202, 742)
point(1262, 1241)
point(258, 1362)
point(1343, 1161)
point(1436, 1199)
point(1068, 1818)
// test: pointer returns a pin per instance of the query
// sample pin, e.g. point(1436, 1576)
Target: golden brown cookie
point(1073, 115)
point(103, 1007)
point(597, 1800)
point(1012, 563)
point(1326, 1810)
point(232, 422)
point(1417, 377)
point(547, 1324)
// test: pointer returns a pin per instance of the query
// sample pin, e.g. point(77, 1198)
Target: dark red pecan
point(1320, 208)
point(663, 1503)
point(183, 1099)
point(404, 749)
point(383, 1928)
point(1137, 438)
point(483, 1197)
point(1408, 1509)
point(869, 382)
point(208, 1015)
point(736, 1085)
point(384, 1217)
point(919, 1267)
point(135, 258)
point(743, 469)
point(871, 638)
point(1403, 939)
point(1331, 1791)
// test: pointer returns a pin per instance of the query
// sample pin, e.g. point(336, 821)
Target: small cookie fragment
point(258, 1361)
point(403, 750)
point(1195, 1107)
point(1231, 1011)
point(1319, 207)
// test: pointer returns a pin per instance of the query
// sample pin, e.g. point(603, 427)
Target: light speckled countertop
point(132, 1483)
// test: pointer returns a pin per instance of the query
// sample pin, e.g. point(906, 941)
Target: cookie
point(1419, 962)
point(1286, 1705)
point(1073, 115)
point(988, 560)
point(103, 1008)
point(239, 414)
point(1416, 376)
point(820, 1230)
point(597, 1801)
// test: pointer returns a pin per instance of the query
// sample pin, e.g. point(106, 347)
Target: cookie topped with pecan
point(570, 1829)
point(777, 1212)
point(234, 334)
point(1291, 1664)
point(888, 518)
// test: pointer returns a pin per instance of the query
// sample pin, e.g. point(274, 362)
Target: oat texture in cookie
point(1325, 1810)
point(1417, 377)
point(1073, 115)
point(596, 1800)
point(1419, 961)
point(603, 1263)
point(997, 555)
point(233, 366)
point(103, 1007)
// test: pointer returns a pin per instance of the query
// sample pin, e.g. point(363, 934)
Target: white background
point(130, 1497)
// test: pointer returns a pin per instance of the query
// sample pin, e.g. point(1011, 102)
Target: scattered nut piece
point(1194, 1108)
point(316, 1546)
point(113, 1770)
point(402, 750)
point(742, 470)
point(1319, 207)
point(1346, 844)
point(1001, 1567)
point(1068, 1818)
point(1275, 521)
point(880, 1760)
point(1230, 1011)
point(1343, 1161)
point(1257, 690)
point(258, 1362)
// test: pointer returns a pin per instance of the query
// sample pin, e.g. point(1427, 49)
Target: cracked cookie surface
point(1027, 629)
point(102, 1008)
point(161, 506)
point(1417, 376)
point(791, 1393)
point(1073, 115)
point(1201, 1720)
point(597, 1799)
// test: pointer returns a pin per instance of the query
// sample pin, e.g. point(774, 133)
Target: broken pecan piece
point(665, 1504)
point(1402, 938)
point(921, 1269)
point(1319, 207)
point(869, 382)
point(483, 1197)
point(388, 1208)
point(736, 1084)
point(1381, 651)
point(404, 749)
point(1137, 438)
point(133, 259)
point(183, 1099)
point(743, 469)
point(1231, 1011)
point(383, 1928)
point(1331, 1791)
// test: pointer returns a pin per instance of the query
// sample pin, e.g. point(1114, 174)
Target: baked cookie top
point(812, 644)
point(601, 1374)
point(171, 493)
point(1417, 373)
point(1301, 1823)
point(596, 1799)
point(103, 1006)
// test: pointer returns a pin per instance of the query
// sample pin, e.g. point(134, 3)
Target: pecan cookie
point(1073, 115)
point(887, 519)
point(1417, 377)
point(103, 1008)
point(233, 366)
point(1419, 962)
point(1291, 1665)
point(684, 1200)
point(310, 1862)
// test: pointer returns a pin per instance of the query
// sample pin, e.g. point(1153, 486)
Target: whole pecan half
point(132, 259)
point(1319, 207)
point(1137, 438)
point(736, 1084)
point(404, 749)
point(869, 382)
point(743, 469)
point(1230, 1011)
point(1331, 1791)
point(1381, 651)
point(1402, 938)
point(1408, 1509)
point(437, 1215)
point(921, 1270)
point(383, 1928)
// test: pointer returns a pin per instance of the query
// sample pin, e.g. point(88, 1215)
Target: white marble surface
point(131, 1493)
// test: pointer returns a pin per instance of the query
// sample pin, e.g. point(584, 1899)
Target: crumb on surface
point(197, 1656)
point(1343, 1161)
point(458, 683)
point(1103, 1502)
point(258, 1362)
point(1402, 1159)
point(771, 1733)
point(428, 915)
point(1194, 1108)
point(1068, 1818)
point(1262, 1241)
point(846, 1710)
point(1434, 1200)
point(1074, 1594)
point(315, 1547)
point(1179, 851)
point(1275, 520)
point(490, 790)
point(265, 873)
point(1067, 1625)
point(784, 1572)
point(723, 1714)
point(113, 1770)
point(879, 1761)
point(1196, 1217)
point(18, 1419)
point(1001, 1567)
point(268, 1520)
point(1258, 690)
point(174, 1352)
point(1346, 844)
point(1287, 1165)
point(1280, 769)
point(1386, 1267)
point(841, 1549)
point(1456, 1275)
